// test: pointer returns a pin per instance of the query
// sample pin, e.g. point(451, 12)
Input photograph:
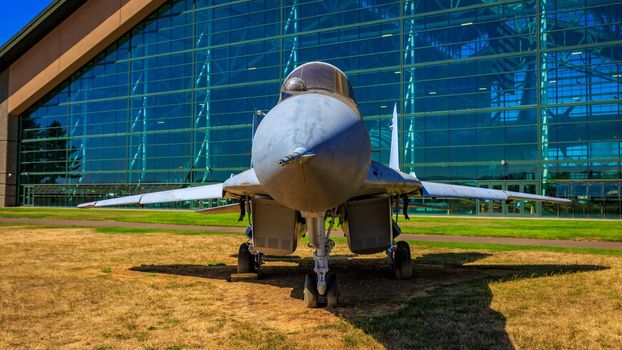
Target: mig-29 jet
point(311, 161)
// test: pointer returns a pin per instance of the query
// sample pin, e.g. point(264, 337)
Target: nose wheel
point(313, 299)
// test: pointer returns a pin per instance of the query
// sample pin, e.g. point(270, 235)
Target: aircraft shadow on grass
point(447, 303)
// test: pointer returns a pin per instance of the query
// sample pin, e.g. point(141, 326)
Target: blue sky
point(15, 14)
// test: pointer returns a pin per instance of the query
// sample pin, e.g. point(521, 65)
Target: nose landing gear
point(313, 298)
point(321, 287)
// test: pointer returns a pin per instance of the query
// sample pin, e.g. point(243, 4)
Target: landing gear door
point(275, 228)
point(368, 225)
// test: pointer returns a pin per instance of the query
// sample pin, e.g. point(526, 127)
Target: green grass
point(508, 247)
point(517, 228)
point(455, 226)
point(343, 241)
point(414, 243)
point(490, 247)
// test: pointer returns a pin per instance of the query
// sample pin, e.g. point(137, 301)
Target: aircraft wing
point(385, 180)
point(184, 194)
point(243, 184)
point(441, 190)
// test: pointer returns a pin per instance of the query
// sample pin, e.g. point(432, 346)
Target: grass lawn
point(108, 289)
point(508, 247)
point(516, 227)
point(458, 226)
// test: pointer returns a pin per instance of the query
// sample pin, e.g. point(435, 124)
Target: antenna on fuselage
point(258, 113)
point(256, 116)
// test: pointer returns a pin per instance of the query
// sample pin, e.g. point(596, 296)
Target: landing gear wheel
point(246, 260)
point(332, 290)
point(402, 265)
point(313, 299)
point(310, 294)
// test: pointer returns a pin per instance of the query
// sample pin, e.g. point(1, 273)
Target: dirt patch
point(74, 288)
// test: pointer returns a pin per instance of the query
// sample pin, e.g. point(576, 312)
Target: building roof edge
point(36, 29)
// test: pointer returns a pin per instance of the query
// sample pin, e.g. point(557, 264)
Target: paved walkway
point(417, 237)
point(110, 223)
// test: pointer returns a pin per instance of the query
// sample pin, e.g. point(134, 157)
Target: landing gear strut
point(320, 286)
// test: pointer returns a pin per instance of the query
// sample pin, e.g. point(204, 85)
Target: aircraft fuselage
point(312, 151)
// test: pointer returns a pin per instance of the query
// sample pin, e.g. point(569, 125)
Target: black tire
point(402, 264)
point(332, 290)
point(246, 260)
point(310, 294)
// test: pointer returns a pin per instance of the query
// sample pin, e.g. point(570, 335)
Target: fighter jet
point(312, 164)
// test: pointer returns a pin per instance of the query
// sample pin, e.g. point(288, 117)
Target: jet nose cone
point(311, 152)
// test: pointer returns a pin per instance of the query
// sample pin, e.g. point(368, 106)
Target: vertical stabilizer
point(394, 159)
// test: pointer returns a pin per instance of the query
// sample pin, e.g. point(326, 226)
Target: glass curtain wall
point(517, 95)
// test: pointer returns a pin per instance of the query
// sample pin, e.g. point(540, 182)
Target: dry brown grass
point(74, 288)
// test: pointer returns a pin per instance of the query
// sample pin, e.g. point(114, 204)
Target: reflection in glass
point(171, 102)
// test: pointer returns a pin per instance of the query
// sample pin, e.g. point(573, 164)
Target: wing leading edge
point(243, 184)
point(441, 190)
point(184, 194)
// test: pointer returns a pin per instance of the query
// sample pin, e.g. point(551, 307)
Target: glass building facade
point(517, 95)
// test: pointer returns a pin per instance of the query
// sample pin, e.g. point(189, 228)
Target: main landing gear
point(248, 259)
point(399, 258)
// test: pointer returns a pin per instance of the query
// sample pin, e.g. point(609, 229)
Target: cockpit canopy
point(316, 76)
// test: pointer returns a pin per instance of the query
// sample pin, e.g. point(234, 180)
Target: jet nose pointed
point(311, 152)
